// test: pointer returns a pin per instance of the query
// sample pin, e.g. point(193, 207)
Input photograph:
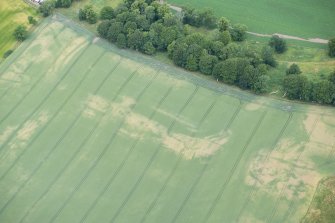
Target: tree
point(261, 85)
point(224, 37)
point(107, 13)
point(32, 20)
point(150, 13)
point(88, 14)
point(103, 28)
point(46, 7)
point(294, 86)
point(293, 69)
point(331, 77)
point(114, 30)
point(278, 44)
point(121, 41)
point(208, 18)
point(191, 63)
point(223, 24)
point(331, 47)
point(207, 63)
point(238, 32)
point(135, 40)
point(323, 92)
point(20, 33)
point(7, 53)
point(63, 3)
point(267, 56)
point(230, 70)
point(149, 48)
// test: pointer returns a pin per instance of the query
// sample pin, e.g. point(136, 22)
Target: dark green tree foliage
point(323, 92)
point(114, 30)
point(331, 47)
point(88, 14)
point(198, 18)
point(103, 28)
point(107, 13)
point(20, 33)
point(121, 40)
point(46, 7)
point(224, 37)
point(331, 77)
point(293, 69)
point(294, 86)
point(238, 32)
point(149, 48)
point(7, 53)
point(32, 20)
point(267, 56)
point(135, 40)
point(63, 3)
point(278, 44)
point(207, 63)
point(223, 24)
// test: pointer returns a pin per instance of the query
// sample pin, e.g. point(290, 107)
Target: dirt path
point(311, 40)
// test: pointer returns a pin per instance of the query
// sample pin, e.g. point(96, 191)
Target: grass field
point(89, 133)
point(303, 18)
point(12, 13)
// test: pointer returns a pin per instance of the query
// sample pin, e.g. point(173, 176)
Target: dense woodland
point(149, 27)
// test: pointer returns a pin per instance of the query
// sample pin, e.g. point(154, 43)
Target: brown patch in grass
point(6, 133)
point(276, 173)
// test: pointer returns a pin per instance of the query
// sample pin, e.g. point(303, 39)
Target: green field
point(90, 133)
point(12, 13)
point(303, 18)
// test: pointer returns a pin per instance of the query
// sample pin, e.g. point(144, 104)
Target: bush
point(293, 69)
point(107, 13)
point(32, 20)
point(278, 44)
point(331, 47)
point(7, 53)
point(20, 33)
point(46, 7)
point(238, 32)
point(267, 56)
point(88, 14)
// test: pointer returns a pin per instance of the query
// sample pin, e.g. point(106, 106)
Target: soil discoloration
point(6, 133)
point(283, 170)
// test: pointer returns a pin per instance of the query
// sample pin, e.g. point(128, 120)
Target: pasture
point(307, 19)
point(90, 133)
point(12, 13)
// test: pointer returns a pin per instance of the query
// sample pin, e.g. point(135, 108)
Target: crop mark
point(43, 100)
point(254, 189)
point(5, 173)
point(280, 198)
point(155, 154)
point(76, 152)
point(232, 171)
point(202, 171)
point(154, 202)
point(25, 47)
point(106, 148)
point(110, 181)
point(56, 113)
